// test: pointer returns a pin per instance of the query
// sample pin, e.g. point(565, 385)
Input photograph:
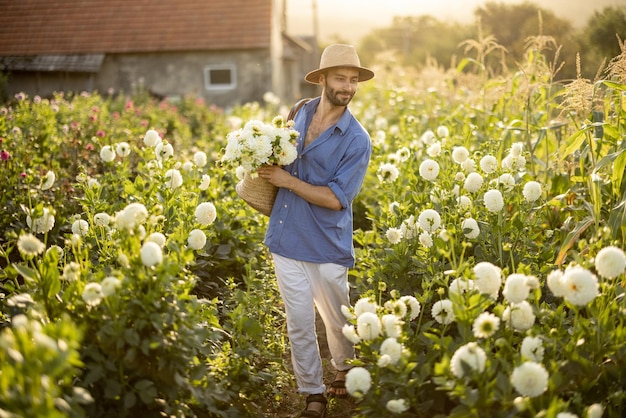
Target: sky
point(352, 19)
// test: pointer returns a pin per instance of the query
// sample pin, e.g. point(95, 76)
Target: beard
point(337, 97)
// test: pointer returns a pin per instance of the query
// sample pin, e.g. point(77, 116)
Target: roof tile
point(29, 27)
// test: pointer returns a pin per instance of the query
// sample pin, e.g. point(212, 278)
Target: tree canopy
point(420, 40)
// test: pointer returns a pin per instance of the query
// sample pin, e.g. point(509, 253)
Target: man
point(310, 228)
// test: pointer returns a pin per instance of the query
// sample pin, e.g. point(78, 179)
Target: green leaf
point(54, 286)
point(112, 389)
point(129, 400)
point(252, 327)
point(51, 278)
point(139, 183)
point(131, 355)
point(605, 161)
point(613, 85)
point(617, 217)
point(618, 172)
point(572, 144)
point(143, 384)
point(129, 188)
point(148, 394)
point(572, 237)
point(131, 337)
point(612, 132)
point(223, 251)
point(503, 382)
point(465, 61)
point(27, 272)
point(596, 196)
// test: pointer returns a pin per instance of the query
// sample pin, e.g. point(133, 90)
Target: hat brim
point(314, 76)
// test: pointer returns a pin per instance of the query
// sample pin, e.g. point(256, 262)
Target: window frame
point(213, 87)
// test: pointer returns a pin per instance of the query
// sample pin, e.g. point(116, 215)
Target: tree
point(601, 34)
point(416, 40)
point(513, 25)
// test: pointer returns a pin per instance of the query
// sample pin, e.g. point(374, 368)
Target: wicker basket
point(258, 193)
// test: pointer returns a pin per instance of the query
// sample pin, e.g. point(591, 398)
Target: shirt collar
point(342, 123)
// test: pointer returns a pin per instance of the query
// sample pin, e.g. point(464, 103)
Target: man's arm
point(318, 195)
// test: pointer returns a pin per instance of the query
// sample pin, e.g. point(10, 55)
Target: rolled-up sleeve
point(350, 174)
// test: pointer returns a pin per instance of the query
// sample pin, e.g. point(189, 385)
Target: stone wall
point(177, 74)
point(170, 75)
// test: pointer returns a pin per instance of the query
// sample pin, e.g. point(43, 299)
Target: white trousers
point(303, 287)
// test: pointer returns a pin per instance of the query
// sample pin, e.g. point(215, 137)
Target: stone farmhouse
point(227, 52)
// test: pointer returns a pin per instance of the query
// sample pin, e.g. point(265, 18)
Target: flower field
point(489, 234)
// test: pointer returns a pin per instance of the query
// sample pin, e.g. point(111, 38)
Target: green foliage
point(603, 31)
point(162, 331)
point(579, 166)
point(39, 362)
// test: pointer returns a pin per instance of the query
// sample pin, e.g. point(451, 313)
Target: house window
point(220, 77)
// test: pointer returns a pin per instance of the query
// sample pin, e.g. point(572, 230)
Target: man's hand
point(317, 195)
point(275, 175)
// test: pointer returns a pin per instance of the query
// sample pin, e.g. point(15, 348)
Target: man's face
point(340, 84)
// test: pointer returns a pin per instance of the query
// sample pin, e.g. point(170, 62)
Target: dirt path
point(336, 408)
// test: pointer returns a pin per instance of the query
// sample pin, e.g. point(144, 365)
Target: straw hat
point(339, 55)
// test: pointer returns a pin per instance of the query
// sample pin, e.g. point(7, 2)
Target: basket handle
point(294, 110)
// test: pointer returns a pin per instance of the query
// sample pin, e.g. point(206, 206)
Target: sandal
point(339, 385)
point(310, 413)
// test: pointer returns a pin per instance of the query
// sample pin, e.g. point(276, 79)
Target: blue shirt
point(338, 158)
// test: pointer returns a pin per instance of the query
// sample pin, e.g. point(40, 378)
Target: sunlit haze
point(352, 19)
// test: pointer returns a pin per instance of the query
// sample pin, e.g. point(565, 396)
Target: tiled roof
point(29, 27)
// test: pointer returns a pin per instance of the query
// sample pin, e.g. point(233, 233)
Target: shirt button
point(280, 222)
point(285, 205)
point(295, 173)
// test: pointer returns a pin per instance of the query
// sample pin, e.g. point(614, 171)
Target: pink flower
point(100, 133)
point(5, 155)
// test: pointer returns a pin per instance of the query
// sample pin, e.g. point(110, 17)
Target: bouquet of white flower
point(258, 144)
